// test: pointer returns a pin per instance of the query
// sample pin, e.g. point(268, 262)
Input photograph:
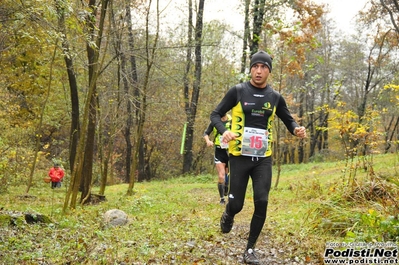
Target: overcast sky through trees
point(343, 12)
point(231, 12)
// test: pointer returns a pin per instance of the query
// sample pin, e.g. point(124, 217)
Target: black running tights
point(260, 171)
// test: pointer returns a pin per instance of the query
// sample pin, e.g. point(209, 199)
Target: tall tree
point(150, 50)
point(323, 84)
point(95, 32)
point(245, 37)
point(130, 79)
point(258, 15)
point(82, 173)
point(191, 103)
point(61, 7)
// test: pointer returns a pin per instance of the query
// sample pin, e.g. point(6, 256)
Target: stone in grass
point(37, 218)
point(15, 218)
point(115, 217)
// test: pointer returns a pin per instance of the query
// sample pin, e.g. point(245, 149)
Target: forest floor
point(176, 221)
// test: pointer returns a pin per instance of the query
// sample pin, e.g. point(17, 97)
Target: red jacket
point(56, 174)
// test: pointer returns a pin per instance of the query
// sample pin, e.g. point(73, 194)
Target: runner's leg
point(261, 182)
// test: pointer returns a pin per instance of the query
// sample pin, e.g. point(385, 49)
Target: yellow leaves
point(355, 131)
point(390, 95)
point(391, 87)
point(324, 108)
point(12, 154)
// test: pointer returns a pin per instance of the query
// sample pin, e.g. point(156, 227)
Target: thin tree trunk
point(186, 83)
point(73, 85)
point(390, 133)
point(191, 108)
point(84, 158)
point(39, 128)
point(245, 37)
point(133, 78)
point(150, 51)
point(302, 103)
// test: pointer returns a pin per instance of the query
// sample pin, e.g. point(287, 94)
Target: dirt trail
point(268, 252)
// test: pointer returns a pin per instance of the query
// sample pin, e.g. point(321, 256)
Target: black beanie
point(262, 57)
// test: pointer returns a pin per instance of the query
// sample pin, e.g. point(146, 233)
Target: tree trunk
point(93, 60)
point(188, 147)
point(301, 112)
point(186, 83)
point(87, 173)
point(143, 166)
point(245, 37)
point(390, 132)
point(142, 98)
point(129, 119)
point(105, 167)
point(191, 106)
point(73, 85)
point(133, 78)
point(82, 175)
point(258, 13)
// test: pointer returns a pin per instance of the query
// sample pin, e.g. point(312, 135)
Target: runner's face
point(259, 74)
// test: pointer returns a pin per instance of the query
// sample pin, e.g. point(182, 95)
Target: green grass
point(177, 221)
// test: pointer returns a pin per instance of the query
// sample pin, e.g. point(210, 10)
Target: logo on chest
point(258, 109)
point(258, 112)
point(267, 106)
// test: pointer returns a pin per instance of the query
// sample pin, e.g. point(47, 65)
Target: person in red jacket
point(56, 174)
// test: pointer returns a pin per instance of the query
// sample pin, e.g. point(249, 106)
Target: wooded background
point(106, 87)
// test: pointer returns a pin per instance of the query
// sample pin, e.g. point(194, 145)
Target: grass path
point(176, 222)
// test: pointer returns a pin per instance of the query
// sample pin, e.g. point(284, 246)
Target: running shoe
point(249, 257)
point(226, 222)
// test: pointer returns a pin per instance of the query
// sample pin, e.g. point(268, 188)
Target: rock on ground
point(115, 217)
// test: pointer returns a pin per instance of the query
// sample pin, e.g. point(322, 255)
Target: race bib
point(254, 142)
